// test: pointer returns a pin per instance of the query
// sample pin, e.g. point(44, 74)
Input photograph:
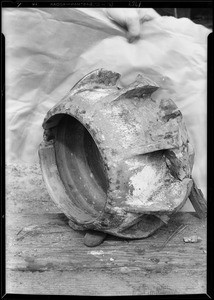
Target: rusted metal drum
point(115, 159)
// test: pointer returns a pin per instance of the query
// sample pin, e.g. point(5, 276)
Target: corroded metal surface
point(116, 159)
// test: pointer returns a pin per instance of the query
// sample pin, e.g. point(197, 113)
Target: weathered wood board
point(45, 256)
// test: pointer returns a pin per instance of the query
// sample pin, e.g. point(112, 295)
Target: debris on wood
point(192, 239)
point(96, 253)
point(31, 230)
point(178, 230)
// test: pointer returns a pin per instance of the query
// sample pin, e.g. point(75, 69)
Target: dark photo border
point(210, 115)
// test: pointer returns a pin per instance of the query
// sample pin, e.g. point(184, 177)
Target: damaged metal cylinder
point(115, 159)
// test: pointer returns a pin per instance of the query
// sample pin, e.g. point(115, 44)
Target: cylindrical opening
point(80, 167)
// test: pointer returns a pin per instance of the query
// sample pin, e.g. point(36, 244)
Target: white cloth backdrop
point(49, 49)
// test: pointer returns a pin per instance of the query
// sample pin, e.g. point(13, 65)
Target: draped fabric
point(49, 49)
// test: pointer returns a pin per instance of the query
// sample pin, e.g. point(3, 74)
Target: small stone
point(93, 239)
point(124, 270)
point(156, 260)
point(192, 239)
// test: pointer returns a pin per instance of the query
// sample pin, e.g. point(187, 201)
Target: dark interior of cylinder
point(80, 167)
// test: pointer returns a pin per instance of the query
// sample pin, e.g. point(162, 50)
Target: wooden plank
point(45, 256)
point(51, 250)
point(198, 202)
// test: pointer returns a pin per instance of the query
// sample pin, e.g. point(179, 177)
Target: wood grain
point(45, 256)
